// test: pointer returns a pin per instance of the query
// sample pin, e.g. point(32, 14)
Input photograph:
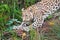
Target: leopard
point(37, 13)
point(40, 11)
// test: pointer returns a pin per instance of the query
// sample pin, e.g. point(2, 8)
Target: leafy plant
point(49, 17)
point(32, 34)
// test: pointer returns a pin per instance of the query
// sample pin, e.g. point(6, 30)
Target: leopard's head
point(27, 15)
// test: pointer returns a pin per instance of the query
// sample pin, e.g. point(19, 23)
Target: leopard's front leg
point(37, 23)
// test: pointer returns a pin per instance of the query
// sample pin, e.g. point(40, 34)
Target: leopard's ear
point(22, 9)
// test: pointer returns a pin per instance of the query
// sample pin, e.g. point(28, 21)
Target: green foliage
point(56, 30)
point(4, 8)
point(9, 13)
point(29, 2)
point(49, 17)
point(32, 34)
point(11, 34)
point(11, 23)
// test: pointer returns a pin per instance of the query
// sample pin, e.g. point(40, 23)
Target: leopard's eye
point(30, 10)
point(27, 24)
point(26, 15)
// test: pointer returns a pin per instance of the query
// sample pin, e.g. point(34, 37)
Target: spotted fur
point(39, 11)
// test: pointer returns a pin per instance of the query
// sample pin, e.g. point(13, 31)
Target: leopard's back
point(44, 6)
